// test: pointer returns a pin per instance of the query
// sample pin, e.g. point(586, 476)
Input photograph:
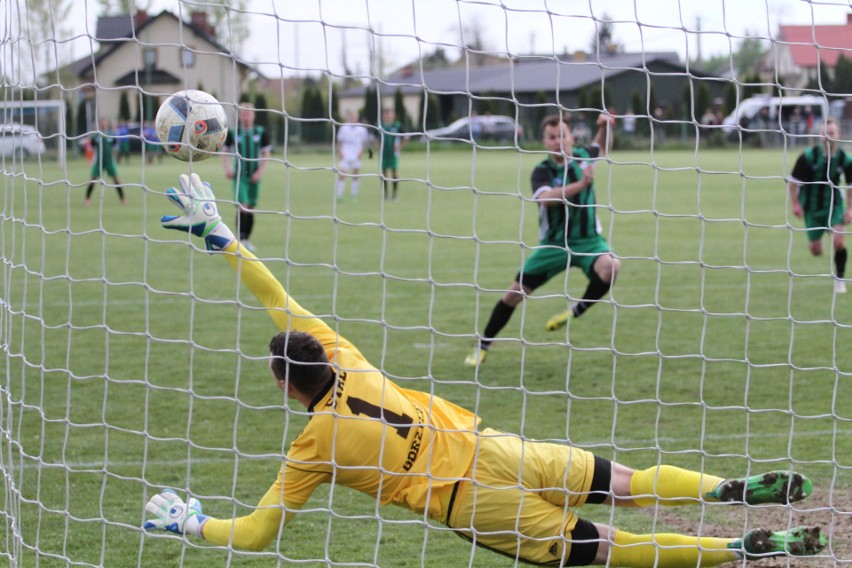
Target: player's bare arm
point(557, 195)
point(795, 206)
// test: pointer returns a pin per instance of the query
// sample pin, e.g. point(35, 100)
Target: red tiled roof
point(808, 43)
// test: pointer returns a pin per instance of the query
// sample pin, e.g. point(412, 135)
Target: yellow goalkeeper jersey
point(365, 432)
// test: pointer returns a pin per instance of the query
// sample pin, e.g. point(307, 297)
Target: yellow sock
point(670, 485)
point(668, 550)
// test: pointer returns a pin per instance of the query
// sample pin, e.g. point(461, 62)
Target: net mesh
point(133, 361)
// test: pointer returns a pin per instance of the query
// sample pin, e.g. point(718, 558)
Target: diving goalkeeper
point(421, 452)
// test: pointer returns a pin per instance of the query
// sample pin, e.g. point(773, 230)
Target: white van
point(20, 140)
point(764, 107)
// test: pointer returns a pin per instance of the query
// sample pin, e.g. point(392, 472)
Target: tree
point(334, 104)
point(315, 127)
point(229, 20)
point(473, 39)
point(652, 99)
point(147, 109)
point(371, 112)
point(822, 82)
point(45, 21)
point(262, 114)
point(637, 103)
point(582, 98)
point(123, 107)
point(110, 7)
point(400, 112)
point(731, 98)
point(638, 107)
point(430, 112)
point(696, 100)
point(719, 64)
point(597, 99)
point(748, 54)
point(543, 107)
point(602, 40)
point(82, 123)
point(686, 111)
point(752, 86)
point(487, 103)
point(702, 100)
point(435, 60)
point(69, 120)
point(842, 84)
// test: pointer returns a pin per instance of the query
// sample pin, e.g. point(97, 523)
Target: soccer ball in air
point(191, 125)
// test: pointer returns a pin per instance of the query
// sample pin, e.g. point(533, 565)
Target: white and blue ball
point(192, 125)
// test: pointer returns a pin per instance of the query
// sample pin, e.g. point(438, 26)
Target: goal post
point(47, 117)
point(713, 338)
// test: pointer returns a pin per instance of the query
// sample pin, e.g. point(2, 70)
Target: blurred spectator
point(629, 121)
point(122, 134)
point(581, 131)
point(810, 119)
point(658, 128)
point(708, 118)
point(153, 149)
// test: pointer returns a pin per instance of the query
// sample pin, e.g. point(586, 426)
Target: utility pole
point(698, 41)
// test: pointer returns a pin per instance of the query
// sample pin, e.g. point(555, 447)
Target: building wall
point(215, 72)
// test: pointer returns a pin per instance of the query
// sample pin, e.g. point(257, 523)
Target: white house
point(150, 57)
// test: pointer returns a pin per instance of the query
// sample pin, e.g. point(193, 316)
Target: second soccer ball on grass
point(192, 124)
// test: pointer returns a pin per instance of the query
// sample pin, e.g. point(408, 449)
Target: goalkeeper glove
point(201, 216)
point(173, 515)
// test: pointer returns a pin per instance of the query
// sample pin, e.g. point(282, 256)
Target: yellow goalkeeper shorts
point(518, 502)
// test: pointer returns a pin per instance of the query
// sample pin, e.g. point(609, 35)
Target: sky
point(307, 37)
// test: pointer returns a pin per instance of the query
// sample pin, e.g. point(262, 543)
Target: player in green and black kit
point(103, 146)
point(570, 232)
point(391, 142)
point(815, 194)
point(251, 149)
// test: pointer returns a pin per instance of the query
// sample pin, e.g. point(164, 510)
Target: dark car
point(484, 128)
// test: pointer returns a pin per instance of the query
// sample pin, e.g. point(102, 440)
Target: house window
point(150, 57)
point(187, 57)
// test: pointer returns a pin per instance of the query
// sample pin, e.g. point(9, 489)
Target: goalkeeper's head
point(298, 361)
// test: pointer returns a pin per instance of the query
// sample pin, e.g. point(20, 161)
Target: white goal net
point(385, 162)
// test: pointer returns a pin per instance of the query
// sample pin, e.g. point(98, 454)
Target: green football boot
point(774, 487)
point(763, 543)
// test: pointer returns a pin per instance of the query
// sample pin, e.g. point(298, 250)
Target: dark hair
point(300, 358)
point(554, 120)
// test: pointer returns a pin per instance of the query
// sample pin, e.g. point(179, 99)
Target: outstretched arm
point(256, 530)
point(286, 312)
point(170, 513)
point(201, 218)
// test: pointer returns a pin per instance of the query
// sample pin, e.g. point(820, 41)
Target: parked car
point(20, 140)
point(477, 128)
point(750, 111)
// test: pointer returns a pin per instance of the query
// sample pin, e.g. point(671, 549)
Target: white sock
point(354, 188)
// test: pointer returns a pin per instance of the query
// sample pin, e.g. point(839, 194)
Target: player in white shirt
point(352, 139)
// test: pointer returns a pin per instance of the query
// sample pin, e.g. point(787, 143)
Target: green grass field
point(134, 361)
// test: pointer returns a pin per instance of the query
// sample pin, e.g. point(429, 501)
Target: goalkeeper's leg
point(669, 485)
point(663, 550)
